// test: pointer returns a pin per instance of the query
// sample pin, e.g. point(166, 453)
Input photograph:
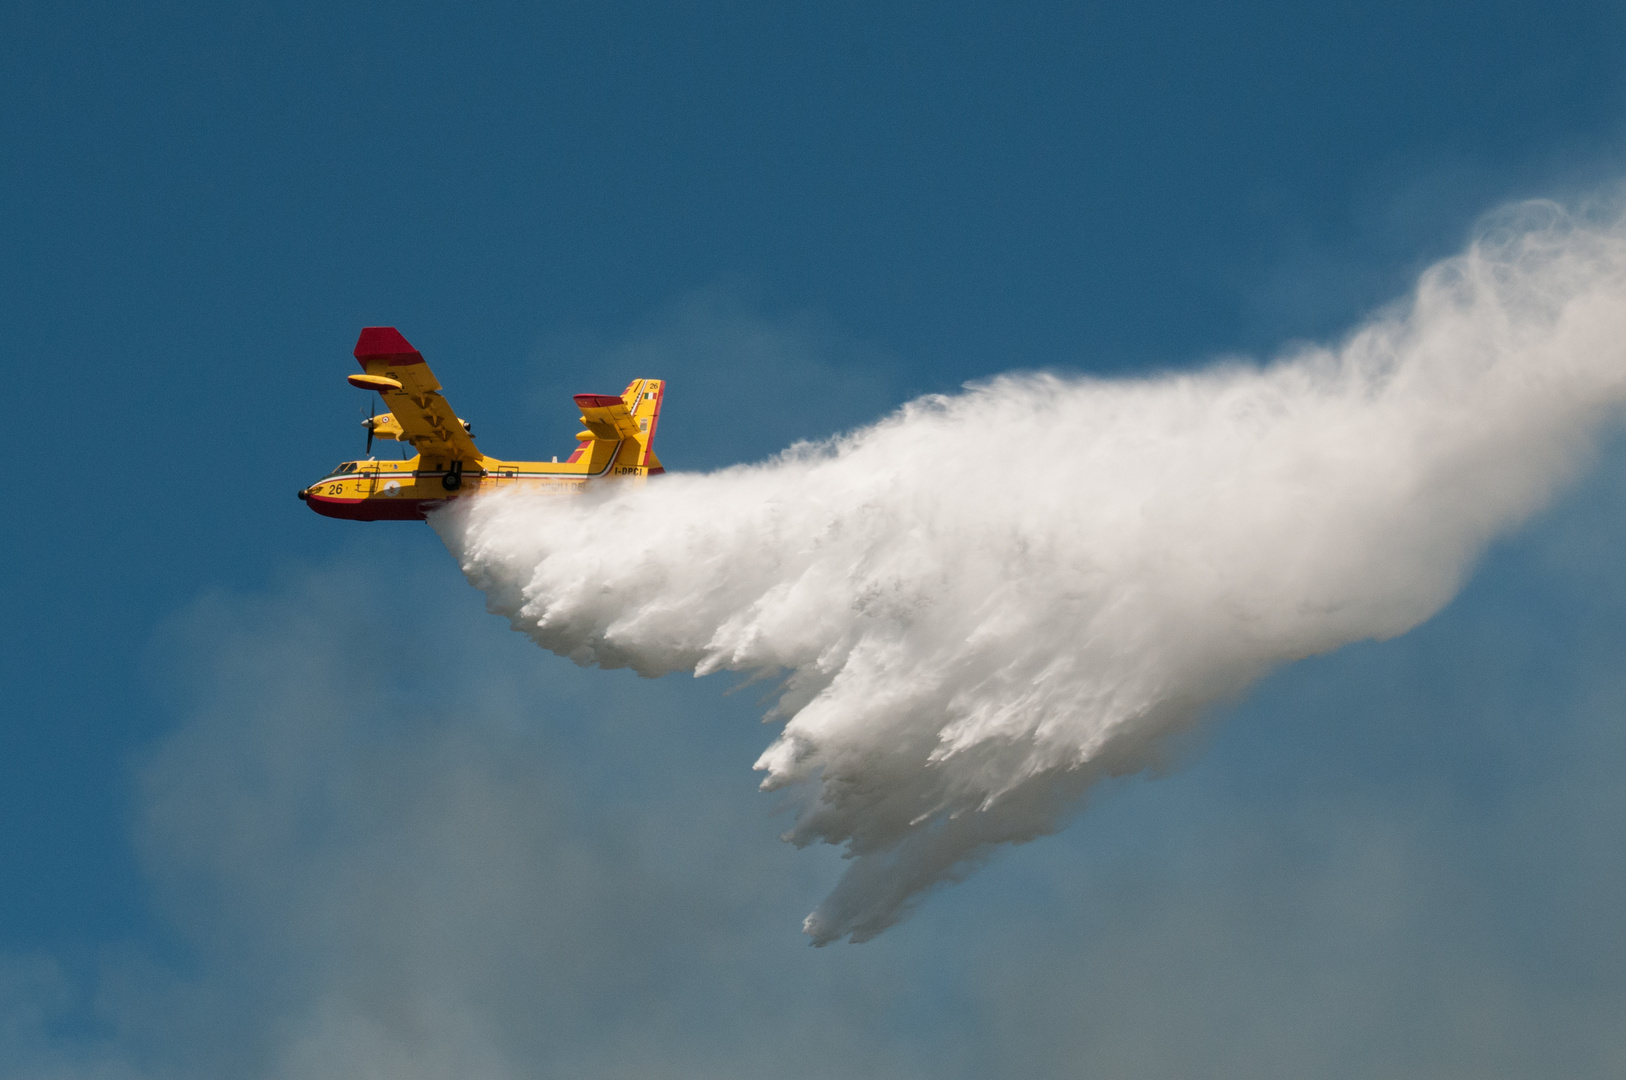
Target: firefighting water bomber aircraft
point(619, 431)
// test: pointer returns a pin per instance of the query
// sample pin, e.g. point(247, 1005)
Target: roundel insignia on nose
point(392, 487)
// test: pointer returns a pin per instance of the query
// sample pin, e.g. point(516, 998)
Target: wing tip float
point(373, 382)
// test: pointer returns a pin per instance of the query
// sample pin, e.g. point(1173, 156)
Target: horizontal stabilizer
point(607, 416)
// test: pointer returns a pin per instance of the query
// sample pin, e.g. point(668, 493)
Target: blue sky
point(236, 839)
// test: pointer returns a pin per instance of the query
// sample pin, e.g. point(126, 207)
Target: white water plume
point(987, 601)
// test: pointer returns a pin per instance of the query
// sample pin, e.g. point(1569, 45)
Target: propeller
point(372, 412)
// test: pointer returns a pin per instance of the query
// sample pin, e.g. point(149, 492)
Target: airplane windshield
point(341, 468)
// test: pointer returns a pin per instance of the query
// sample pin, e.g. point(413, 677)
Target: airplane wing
point(409, 389)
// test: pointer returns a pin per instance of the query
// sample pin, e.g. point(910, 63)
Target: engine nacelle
point(384, 426)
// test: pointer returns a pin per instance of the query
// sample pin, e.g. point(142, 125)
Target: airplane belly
point(369, 508)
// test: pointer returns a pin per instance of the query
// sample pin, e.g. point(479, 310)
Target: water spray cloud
point(986, 602)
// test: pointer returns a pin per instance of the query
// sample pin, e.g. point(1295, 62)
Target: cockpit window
point(341, 468)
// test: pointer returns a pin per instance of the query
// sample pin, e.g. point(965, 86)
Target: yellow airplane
point(617, 440)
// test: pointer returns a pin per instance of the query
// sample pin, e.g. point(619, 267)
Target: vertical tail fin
point(626, 423)
point(643, 397)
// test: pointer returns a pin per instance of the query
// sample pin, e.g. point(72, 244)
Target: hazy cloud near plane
point(508, 869)
point(373, 869)
point(988, 601)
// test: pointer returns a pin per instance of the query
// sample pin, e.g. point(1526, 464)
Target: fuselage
point(405, 490)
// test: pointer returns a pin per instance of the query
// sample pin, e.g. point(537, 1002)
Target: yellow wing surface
point(412, 394)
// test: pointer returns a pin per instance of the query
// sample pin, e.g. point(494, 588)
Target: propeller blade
point(372, 413)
